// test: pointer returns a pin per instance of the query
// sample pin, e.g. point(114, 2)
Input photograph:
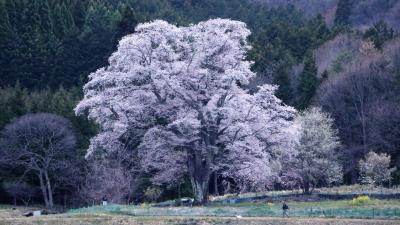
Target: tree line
point(61, 42)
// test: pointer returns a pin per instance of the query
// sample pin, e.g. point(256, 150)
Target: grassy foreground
point(373, 209)
point(379, 212)
point(108, 219)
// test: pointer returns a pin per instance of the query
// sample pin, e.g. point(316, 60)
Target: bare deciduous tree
point(366, 13)
point(102, 179)
point(363, 101)
point(20, 191)
point(41, 143)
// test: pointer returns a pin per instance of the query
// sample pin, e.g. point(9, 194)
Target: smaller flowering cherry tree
point(375, 169)
point(181, 89)
point(316, 162)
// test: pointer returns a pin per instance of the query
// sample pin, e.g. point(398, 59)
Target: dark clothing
point(285, 208)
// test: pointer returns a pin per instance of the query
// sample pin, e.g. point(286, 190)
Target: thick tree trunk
point(216, 192)
point(200, 175)
point(200, 191)
point(306, 188)
point(200, 161)
point(49, 190)
point(65, 200)
point(179, 191)
point(44, 190)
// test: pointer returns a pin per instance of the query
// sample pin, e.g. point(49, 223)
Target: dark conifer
point(308, 83)
point(343, 13)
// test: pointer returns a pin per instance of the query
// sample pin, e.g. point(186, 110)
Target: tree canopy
point(182, 86)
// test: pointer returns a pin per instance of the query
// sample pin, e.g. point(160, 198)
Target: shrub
point(375, 169)
point(145, 205)
point(360, 200)
point(152, 194)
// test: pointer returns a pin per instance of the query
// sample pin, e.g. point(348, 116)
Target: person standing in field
point(285, 208)
point(105, 200)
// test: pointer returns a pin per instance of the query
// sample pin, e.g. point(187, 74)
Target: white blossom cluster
point(183, 87)
point(316, 161)
point(375, 169)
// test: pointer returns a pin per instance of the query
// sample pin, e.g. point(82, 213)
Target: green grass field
point(325, 212)
point(382, 209)
point(343, 212)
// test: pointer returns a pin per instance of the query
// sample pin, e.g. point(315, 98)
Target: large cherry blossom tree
point(179, 90)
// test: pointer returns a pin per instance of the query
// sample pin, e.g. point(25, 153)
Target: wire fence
point(305, 197)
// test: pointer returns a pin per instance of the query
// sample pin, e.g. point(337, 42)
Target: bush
point(360, 201)
point(152, 194)
point(375, 169)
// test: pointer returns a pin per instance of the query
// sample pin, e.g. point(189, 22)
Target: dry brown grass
point(13, 218)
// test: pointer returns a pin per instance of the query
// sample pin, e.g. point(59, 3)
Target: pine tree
point(96, 37)
point(308, 83)
point(343, 13)
point(285, 89)
point(68, 22)
point(126, 25)
point(11, 9)
point(63, 20)
point(320, 30)
point(43, 14)
point(8, 46)
point(38, 45)
point(78, 12)
point(16, 102)
point(379, 34)
point(58, 21)
point(12, 103)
